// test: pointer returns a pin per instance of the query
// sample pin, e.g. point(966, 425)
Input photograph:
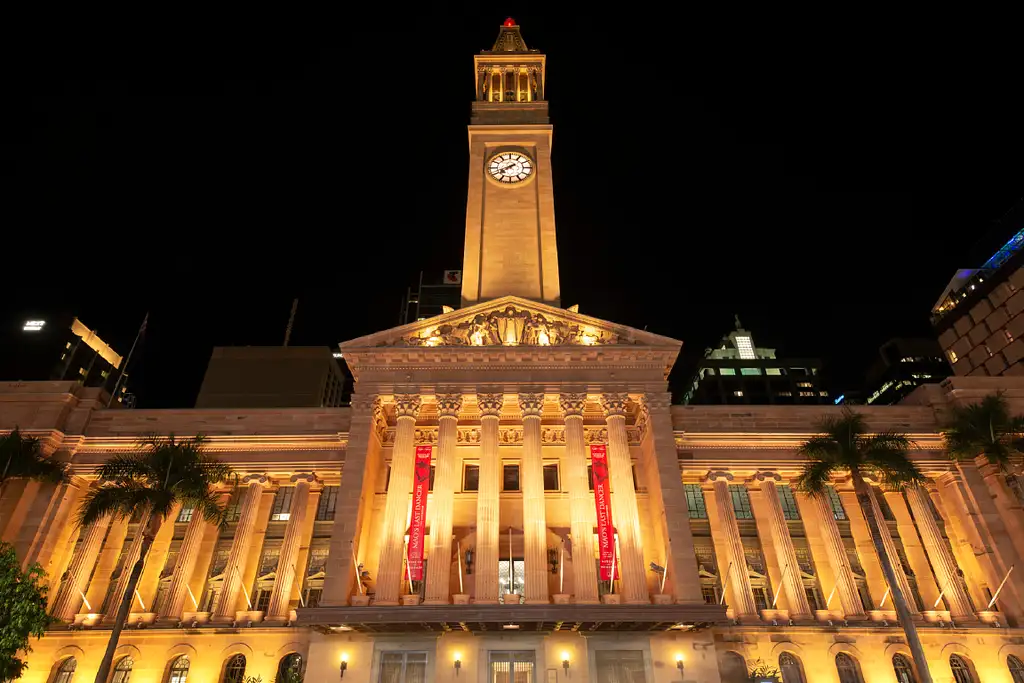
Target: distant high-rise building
point(432, 296)
point(737, 371)
point(272, 377)
point(903, 365)
point(978, 317)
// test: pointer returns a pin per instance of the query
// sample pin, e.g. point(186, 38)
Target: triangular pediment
point(511, 321)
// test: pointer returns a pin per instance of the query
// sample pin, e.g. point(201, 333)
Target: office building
point(903, 365)
point(272, 377)
point(738, 372)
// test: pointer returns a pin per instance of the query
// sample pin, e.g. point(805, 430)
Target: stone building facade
point(719, 561)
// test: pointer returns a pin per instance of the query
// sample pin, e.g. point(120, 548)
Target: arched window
point(123, 670)
point(734, 668)
point(290, 669)
point(66, 670)
point(179, 670)
point(791, 669)
point(848, 668)
point(1016, 668)
point(234, 670)
point(961, 669)
point(903, 668)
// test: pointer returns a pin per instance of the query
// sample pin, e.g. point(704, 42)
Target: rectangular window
point(883, 505)
point(590, 477)
point(619, 666)
point(727, 371)
point(551, 477)
point(403, 667)
point(234, 511)
point(471, 477)
point(328, 501)
point(430, 484)
point(281, 511)
point(788, 501)
point(773, 371)
point(511, 667)
point(837, 505)
point(760, 598)
point(740, 502)
point(510, 478)
point(185, 515)
point(738, 392)
point(750, 371)
point(805, 385)
point(695, 501)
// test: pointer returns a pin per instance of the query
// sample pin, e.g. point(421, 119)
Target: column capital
point(449, 405)
point(365, 403)
point(531, 403)
point(614, 403)
point(720, 475)
point(657, 402)
point(261, 479)
point(768, 475)
point(407, 405)
point(490, 404)
point(308, 477)
point(573, 403)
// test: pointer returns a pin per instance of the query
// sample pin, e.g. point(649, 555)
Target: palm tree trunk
point(898, 599)
point(103, 673)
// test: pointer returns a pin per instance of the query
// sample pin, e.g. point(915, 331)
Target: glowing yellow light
point(565, 656)
point(679, 656)
point(457, 656)
point(344, 656)
point(543, 339)
point(477, 338)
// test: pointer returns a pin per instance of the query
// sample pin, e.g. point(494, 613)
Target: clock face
point(510, 168)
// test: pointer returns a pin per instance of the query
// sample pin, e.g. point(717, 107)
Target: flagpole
point(128, 359)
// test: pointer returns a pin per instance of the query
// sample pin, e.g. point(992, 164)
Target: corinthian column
point(280, 597)
point(784, 551)
point(724, 526)
point(626, 516)
point(940, 556)
point(396, 509)
point(130, 558)
point(581, 501)
point(69, 599)
point(174, 605)
point(439, 565)
point(486, 585)
point(535, 529)
point(240, 546)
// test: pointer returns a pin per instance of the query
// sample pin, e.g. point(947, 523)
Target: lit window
point(823, 393)
point(328, 502)
point(186, 514)
point(737, 393)
point(785, 393)
point(788, 501)
point(807, 393)
point(750, 371)
point(773, 371)
point(1009, 337)
point(695, 501)
point(281, 511)
point(745, 346)
point(837, 505)
point(952, 355)
point(708, 371)
point(807, 385)
point(740, 502)
point(726, 371)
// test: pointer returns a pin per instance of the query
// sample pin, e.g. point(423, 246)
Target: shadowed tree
point(22, 611)
point(845, 446)
point(149, 482)
point(21, 458)
point(985, 428)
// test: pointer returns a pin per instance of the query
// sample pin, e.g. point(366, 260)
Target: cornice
point(778, 440)
point(221, 444)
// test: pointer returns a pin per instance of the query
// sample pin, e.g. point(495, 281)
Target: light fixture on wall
point(469, 561)
point(344, 663)
point(679, 662)
point(565, 663)
point(458, 662)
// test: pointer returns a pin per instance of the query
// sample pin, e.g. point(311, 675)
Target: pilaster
point(439, 564)
point(534, 518)
point(487, 529)
point(73, 585)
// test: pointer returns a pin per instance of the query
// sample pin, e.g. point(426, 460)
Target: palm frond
point(815, 476)
point(984, 428)
point(820, 447)
point(133, 466)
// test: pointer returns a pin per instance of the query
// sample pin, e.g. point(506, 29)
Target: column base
point(611, 599)
point(646, 600)
point(936, 616)
point(445, 601)
point(386, 603)
point(662, 599)
point(578, 601)
point(190, 618)
point(537, 601)
point(411, 599)
point(359, 600)
point(461, 598)
point(561, 598)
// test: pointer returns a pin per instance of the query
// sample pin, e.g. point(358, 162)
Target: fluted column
point(174, 605)
point(131, 556)
point(838, 560)
point(581, 501)
point(280, 597)
point(69, 599)
point(439, 564)
point(733, 570)
point(535, 530)
point(396, 509)
point(625, 515)
point(792, 582)
point(486, 563)
point(240, 545)
point(940, 556)
point(894, 557)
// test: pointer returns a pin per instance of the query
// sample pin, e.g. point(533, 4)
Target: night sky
point(821, 176)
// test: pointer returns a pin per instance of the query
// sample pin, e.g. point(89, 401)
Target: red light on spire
point(509, 22)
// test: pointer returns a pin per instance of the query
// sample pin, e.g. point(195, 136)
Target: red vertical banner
point(603, 501)
point(418, 524)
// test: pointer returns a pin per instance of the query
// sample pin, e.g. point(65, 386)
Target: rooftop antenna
point(291, 321)
point(736, 318)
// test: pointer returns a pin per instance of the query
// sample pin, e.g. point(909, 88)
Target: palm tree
point(150, 482)
point(844, 445)
point(21, 458)
point(985, 428)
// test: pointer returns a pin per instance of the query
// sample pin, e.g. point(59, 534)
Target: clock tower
point(510, 211)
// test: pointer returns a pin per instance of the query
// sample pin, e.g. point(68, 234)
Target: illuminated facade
point(720, 563)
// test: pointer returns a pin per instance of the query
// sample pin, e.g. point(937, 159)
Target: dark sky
point(821, 176)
